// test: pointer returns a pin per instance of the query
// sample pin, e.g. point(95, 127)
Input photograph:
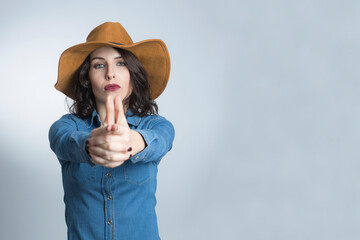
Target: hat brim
point(152, 54)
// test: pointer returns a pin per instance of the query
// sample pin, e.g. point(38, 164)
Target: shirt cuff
point(84, 152)
point(142, 156)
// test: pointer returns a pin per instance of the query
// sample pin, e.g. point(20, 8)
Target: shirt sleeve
point(68, 143)
point(158, 137)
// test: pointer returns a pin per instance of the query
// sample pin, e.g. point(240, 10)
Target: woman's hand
point(110, 145)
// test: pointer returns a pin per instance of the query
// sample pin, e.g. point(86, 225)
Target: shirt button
point(108, 174)
point(109, 222)
point(109, 197)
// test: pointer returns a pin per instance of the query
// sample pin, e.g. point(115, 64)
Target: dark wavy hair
point(139, 100)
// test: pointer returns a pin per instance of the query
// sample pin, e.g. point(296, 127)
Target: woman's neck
point(101, 110)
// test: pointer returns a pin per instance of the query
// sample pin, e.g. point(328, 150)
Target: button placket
point(108, 185)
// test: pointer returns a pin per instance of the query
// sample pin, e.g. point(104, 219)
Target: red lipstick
point(111, 87)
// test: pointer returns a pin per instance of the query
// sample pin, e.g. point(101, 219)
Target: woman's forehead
point(105, 51)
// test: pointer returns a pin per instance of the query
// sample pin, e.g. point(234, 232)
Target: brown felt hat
point(152, 54)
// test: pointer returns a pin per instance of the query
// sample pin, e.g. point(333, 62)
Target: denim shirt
point(110, 203)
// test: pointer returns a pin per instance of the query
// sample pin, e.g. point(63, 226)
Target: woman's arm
point(158, 139)
point(67, 142)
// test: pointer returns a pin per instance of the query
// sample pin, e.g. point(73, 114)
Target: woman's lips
point(111, 87)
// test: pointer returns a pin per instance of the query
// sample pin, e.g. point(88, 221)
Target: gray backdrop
point(264, 96)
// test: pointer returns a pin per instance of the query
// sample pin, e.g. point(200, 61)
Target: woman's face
point(108, 74)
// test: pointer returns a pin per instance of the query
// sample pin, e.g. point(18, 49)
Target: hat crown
point(110, 32)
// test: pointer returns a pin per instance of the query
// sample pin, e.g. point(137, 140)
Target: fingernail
point(129, 149)
point(130, 155)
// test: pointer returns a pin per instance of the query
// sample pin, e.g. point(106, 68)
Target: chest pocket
point(82, 173)
point(137, 173)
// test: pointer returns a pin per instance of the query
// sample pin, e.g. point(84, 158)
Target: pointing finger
point(110, 115)
point(119, 111)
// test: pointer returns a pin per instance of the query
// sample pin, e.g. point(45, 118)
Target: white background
point(264, 97)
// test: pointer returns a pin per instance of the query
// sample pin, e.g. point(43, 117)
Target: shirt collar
point(130, 118)
point(95, 119)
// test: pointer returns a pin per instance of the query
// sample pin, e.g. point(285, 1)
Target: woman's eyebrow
point(100, 58)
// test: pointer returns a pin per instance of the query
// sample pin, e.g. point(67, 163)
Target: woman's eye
point(96, 66)
point(121, 64)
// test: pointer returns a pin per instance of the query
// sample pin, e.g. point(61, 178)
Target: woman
point(111, 143)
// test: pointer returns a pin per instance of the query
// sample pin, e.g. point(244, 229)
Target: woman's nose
point(110, 74)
